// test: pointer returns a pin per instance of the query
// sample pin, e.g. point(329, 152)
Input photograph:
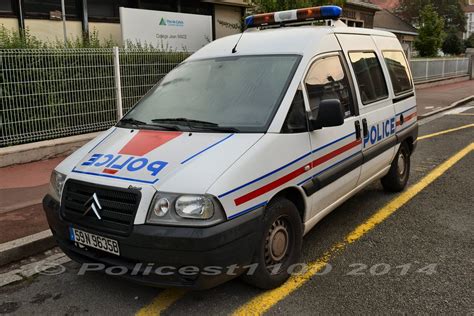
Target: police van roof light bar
point(328, 12)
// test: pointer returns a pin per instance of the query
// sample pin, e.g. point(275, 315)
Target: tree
point(450, 10)
point(453, 45)
point(280, 5)
point(469, 42)
point(430, 34)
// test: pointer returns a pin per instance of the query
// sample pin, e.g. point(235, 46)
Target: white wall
point(107, 31)
point(225, 15)
point(47, 30)
point(9, 23)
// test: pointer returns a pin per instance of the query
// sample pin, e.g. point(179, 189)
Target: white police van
point(238, 152)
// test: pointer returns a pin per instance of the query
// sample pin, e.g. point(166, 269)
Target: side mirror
point(329, 113)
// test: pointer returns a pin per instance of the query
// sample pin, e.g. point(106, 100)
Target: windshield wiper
point(138, 123)
point(224, 129)
point(132, 121)
point(199, 124)
point(183, 119)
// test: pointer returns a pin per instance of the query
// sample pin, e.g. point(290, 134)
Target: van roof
point(282, 40)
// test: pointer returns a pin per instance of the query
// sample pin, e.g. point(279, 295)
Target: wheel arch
point(297, 196)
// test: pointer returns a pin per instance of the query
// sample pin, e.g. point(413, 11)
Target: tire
point(279, 246)
point(397, 177)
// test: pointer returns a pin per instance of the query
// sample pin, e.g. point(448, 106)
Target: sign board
point(167, 30)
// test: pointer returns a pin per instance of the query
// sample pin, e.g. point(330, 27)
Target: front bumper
point(149, 247)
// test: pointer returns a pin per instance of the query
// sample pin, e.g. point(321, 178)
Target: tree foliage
point(453, 44)
point(469, 42)
point(430, 33)
point(280, 5)
point(450, 10)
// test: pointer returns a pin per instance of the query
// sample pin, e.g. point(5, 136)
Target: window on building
point(42, 8)
point(295, 121)
point(106, 9)
point(398, 70)
point(326, 79)
point(369, 75)
point(6, 6)
point(162, 5)
point(195, 7)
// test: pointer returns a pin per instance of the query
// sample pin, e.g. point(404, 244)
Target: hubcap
point(277, 242)
point(401, 163)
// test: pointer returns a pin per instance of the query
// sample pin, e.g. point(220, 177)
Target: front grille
point(118, 206)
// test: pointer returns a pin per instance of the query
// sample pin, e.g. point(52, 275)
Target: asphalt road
point(418, 260)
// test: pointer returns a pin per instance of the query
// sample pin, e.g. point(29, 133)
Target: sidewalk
point(436, 98)
point(23, 186)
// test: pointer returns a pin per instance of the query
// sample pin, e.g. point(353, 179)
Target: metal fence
point(424, 69)
point(51, 93)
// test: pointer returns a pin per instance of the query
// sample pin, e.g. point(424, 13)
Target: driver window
point(326, 79)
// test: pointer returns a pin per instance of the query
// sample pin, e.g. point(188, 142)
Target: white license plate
point(95, 241)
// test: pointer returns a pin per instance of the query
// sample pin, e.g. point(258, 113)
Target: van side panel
point(379, 140)
point(404, 103)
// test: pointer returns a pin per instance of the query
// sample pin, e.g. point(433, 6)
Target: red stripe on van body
point(145, 141)
point(294, 174)
point(407, 118)
point(110, 171)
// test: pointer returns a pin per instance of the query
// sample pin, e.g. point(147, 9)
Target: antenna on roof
point(234, 50)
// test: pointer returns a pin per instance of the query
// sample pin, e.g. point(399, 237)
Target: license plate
point(95, 241)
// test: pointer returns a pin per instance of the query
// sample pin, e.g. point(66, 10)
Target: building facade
point(359, 13)
point(406, 33)
point(469, 11)
point(43, 17)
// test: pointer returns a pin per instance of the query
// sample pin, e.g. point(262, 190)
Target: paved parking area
point(412, 257)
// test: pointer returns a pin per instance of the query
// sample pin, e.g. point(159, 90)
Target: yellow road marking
point(164, 300)
point(168, 297)
point(263, 302)
point(446, 131)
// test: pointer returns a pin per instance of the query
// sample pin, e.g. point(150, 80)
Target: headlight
point(184, 210)
point(56, 184)
point(194, 206)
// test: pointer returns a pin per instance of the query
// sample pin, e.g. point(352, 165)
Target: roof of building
point(385, 20)
point(468, 8)
point(301, 40)
point(363, 3)
point(386, 4)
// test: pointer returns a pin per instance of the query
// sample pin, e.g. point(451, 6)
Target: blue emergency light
point(327, 12)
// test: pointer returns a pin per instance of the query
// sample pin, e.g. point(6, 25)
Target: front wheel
point(279, 245)
point(397, 177)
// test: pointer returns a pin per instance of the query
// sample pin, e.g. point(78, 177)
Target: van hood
point(170, 161)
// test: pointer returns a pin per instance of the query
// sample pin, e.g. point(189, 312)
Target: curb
point(27, 246)
point(449, 107)
point(24, 153)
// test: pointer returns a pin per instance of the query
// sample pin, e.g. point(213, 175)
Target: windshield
point(239, 94)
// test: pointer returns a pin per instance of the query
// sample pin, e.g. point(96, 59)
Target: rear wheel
point(397, 177)
point(279, 245)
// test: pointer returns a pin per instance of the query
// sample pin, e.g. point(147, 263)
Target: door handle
point(357, 128)
point(402, 119)
point(365, 127)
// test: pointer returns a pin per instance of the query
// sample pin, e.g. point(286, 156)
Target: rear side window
point(326, 79)
point(398, 70)
point(369, 75)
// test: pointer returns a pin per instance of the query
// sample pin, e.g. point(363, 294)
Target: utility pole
point(63, 9)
